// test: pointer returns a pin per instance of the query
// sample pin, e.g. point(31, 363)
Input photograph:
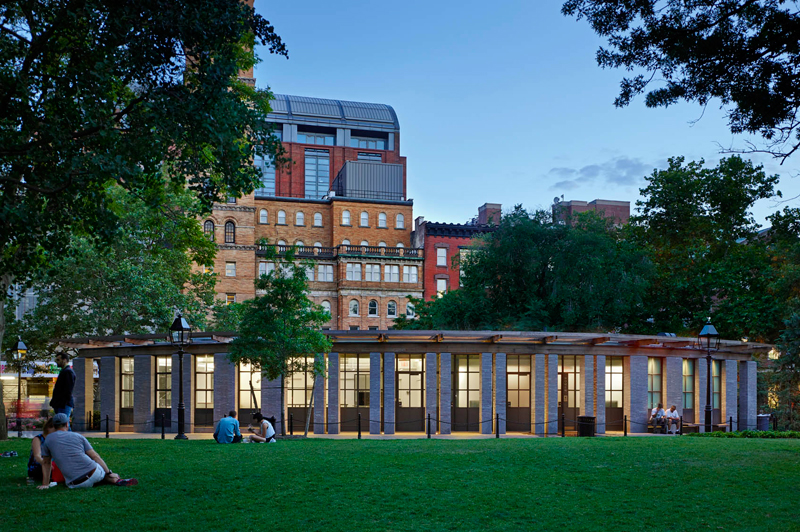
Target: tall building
point(340, 201)
point(619, 211)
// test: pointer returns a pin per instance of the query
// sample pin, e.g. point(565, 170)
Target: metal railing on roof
point(319, 252)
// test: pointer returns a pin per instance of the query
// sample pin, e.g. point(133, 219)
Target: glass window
point(299, 244)
point(409, 274)
point(317, 244)
point(265, 268)
point(654, 381)
point(400, 245)
point(716, 384)
point(164, 382)
point(382, 219)
point(345, 242)
point(400, 222)
point(354, 379)
point(364, 219)
point(441, 286)
point(208, 230)
point(230, 298)
point(409, 310)
point(126, 382)
point(366, 156)
point(317, 219)
point(614, 383)
point(441, 257)
point(325, 273)
point(262, 216)
point(230, 233)
point(354, 307)
point(372, 308)
point(282, 243)
point(391, 309)
point(230, 269)
point(300, 218)
point(249, 387)
point(364, 243)
point(381, 244)
point(264, 163)
point(309, 271)
point(391, 274)
point(326, 306)
point(204, 381)
point(372, 272)
point(353, 271)
point(300, 383)
point(319, 139)
point(688, 383)
point(282, 217)
point(345, 217)
point(367, 143)
point(317, 173)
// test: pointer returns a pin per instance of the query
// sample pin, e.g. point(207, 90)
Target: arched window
point(381, 244)
point(372, 308)
point(281, 242)
point(262, 216)
point(409, 310)
point(326, 306)
point(345, 217)
point(345, 242)
point(354, 307)
point(364, 243)
point(364, 218)
point(391, 309)
point(282, 217)
point(299, 244)
point(400, 245)
point(317, 219)
point(208, 230)
point(230, 233)
point(382, 219)
point(300, 218)
point(400, 223)
point(317, 244)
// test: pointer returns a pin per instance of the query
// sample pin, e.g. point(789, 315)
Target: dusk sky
point(498, 102)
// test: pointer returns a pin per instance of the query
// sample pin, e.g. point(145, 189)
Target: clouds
point(619, 171)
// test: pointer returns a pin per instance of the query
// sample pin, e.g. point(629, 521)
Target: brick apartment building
point(442, 242)
point(619, 211)
point(341, 202)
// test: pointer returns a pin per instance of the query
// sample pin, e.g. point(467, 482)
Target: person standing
point(62, 401)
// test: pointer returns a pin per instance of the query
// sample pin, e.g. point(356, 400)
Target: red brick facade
point(619, 211)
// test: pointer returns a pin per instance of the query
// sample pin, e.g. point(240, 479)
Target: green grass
point(514, 484)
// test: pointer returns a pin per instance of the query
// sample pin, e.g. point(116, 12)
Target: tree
point(743, 53)
point(97, 92)
point(281, 327)
point(784, 378)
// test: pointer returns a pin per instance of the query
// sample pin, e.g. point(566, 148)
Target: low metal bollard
point(680, 428)
point(624, 425)
point(106, 425)
point(291, 424)
point(359, 425)
point(563, 426)
point(730, 424)
point(162, 427)
point(497, 425)
point(429, 426)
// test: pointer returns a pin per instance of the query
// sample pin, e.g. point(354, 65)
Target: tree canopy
point(743, 53)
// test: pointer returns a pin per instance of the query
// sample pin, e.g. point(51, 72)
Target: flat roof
point(356, 115)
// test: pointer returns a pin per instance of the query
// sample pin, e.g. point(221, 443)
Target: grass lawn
point(514, 484)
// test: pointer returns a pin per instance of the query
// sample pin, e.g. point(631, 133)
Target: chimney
point(489, 213)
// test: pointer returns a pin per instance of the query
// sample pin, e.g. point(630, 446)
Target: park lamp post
point(179, 335)
point(709, 340)
point(20, 350)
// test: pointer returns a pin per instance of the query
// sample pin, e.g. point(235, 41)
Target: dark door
point(466, 393)
point(410, 386)
point(354, 392)
point(518, 410)
point(568, 391)
point(615, 392)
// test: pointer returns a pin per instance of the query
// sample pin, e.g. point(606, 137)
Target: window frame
point(230, 232)
point(372, 308)
point(357, 308)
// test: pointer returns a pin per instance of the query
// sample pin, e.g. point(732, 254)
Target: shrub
point(768, 434)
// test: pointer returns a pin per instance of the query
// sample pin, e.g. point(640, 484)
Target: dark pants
point(236, 439)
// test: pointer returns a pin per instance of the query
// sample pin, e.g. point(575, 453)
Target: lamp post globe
point(20, 350)
point(180, 334)
point(708, 340)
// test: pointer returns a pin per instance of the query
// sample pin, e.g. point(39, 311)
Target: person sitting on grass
point(657, 418)
point(266, 430)
point(673, 418)
point(79, 462)
point(228, 429)
point(35, 460)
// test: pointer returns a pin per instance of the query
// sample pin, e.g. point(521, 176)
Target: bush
point(768, 434)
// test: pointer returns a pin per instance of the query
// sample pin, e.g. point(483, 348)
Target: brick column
point(225, 389)
point(109, 392)
point(635, 395)
point(700, 385)
point(83, 392)
point(319, 398)
point(389, 393)
point(600, 401)
point(374, 393)
point(674, 371)
point(271, 403)
point(730, 392)
point(486, 393)
point(143, 393)
point(445, 393)
point(552, 394)
point(586, 385)
point(539, 389)
point(501, 389)
point(431, 390)
point(333, 393)
point(747, 396)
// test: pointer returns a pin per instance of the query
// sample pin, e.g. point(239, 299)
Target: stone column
point(747, 396)
point(271, 403)
point(486, 393)
point(319, 398)
point(701, 367)
point(674, 372)
point(586, 385)
point(374, 393)
point(83, 392)
point(501, 389)
point(143, 393)
point(730, 392)
point(225, 390)
point(539, 384)
point(600, 402)
point(109, 392)
point(431, 390)
point(635, 395)
point(445, 393)
point(333, 393)
point(552, 394)
point(389, 393)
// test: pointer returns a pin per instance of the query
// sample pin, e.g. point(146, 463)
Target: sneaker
point(127, 482)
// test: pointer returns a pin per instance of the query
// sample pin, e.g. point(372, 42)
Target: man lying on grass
point(79, 462)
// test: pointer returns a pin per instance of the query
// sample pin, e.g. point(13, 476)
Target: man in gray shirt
point(80, 463)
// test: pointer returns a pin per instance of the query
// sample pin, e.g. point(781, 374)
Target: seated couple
point(665, 420)
point(228, 429)
point(78, 462)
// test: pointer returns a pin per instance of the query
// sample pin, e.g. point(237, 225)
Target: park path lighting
point(179, 335)
point(709, 340)
point(20, 350)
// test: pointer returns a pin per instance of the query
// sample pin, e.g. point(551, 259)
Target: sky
point(498, 102)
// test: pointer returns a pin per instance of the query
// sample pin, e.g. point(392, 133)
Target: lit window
point(391, 274)
point(262, 216)
point(441, 257)
point(300, 219)
point(325, 273)
point(400, 222)
point(373, 273)
point(230, 298)
point(364, 219)
point(382, 219)
point(391, 309)
point(409, 274)
point(441, 286)
point(230, 233)
point(354, 308)
point(345, 217)
point(208, 230)
point(653, 382)
point(372, 308)
point(409, 310)
point(282, 217)
point(208, 269)
point(317, 219)
point(353, 271)
point(230, 269)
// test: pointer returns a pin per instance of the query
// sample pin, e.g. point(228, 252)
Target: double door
point(518, 408)
point(466, 393)
point(569, 374)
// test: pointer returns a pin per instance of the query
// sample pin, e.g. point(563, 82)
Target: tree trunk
point(309, 405)
point(283, 406)
point(5, 283)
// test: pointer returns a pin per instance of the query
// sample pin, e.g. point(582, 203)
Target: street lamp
point(20, 350)
point(179, 335)
point(708, 339)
